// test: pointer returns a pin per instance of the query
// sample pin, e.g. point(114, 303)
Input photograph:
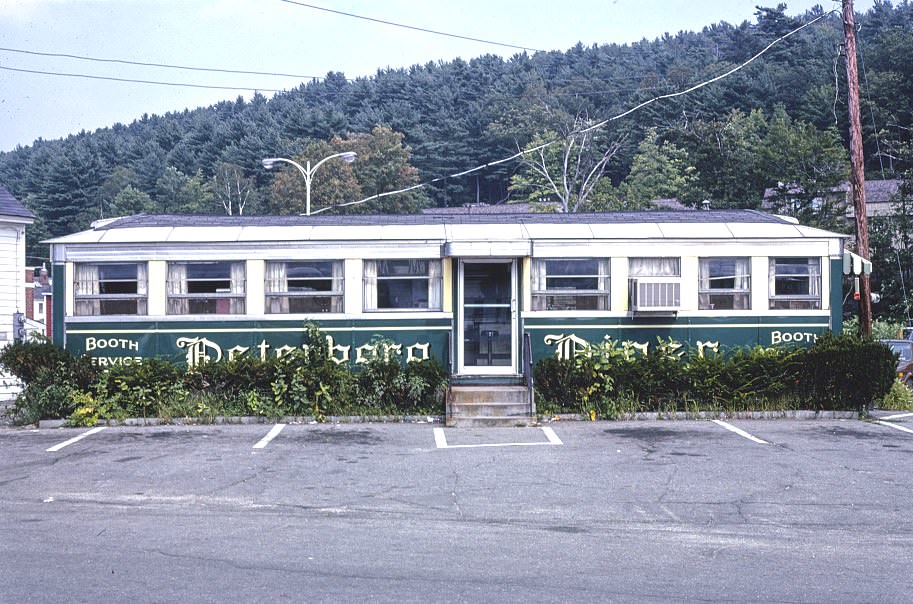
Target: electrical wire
point(596, 126)
point(130, 80)
point(412, 27)
point(163, 65)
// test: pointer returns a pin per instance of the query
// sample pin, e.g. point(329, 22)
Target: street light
point(308, 171)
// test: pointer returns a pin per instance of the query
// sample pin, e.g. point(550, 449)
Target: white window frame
point(278, 296)
point(178, 287)
point(90, 299)
point(741, 283)
point(810, 301)
point(372, 280)
point(544, 297)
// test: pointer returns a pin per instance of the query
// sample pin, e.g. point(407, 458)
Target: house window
point(725, 284)
point(110, 289)
point(578, 284)
point(655, 283)
point(206, 288)
point(402, 284)
point(313, 286)
point(795, 283)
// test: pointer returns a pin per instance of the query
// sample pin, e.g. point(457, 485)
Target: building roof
point(10, 206)
point(646, 216)
point(644, 225)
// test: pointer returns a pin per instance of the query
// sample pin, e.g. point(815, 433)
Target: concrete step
point(491, 422)
point(493, 405)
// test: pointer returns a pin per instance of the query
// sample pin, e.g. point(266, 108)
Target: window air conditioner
point(647, 296)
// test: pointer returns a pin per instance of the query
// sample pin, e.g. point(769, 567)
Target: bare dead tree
point(231, 188)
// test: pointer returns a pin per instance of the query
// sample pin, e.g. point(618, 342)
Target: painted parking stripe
point(273, 433)
point(895, 426)
point(441, 441)
point(551, 436)
point(739, 431)
point(898, 416)
point(75, 439)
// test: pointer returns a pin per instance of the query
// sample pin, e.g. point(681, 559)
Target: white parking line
point(273, 433)
point(898, 416)
point(66, 443)
point(895, 426)
point(441, 441)
point(739, 431)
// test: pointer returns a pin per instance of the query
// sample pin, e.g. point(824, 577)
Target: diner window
point(402, 284)
point(570, 284)
point(795, 283)
point(725, 284)
point(206, 288)
point(311, 286)
point(110, 289)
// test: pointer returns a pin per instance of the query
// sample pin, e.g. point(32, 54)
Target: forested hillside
point(779, 122)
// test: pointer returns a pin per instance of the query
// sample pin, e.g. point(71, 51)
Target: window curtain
point(142, 288)
point(538, 276)
point(742, 274)
point(87, 285)
point(435, 285)
point(654, 267)
point(276, 283)
point(177, 286)
point(814, 277)
point(338, 287)
point(236, 307)
point(370, 284)
point(603, 284)
point(537, 284)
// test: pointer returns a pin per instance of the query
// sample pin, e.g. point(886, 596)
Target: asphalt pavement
point(638, 511)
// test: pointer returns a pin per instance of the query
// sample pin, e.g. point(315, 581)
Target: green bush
point(609, 380)
point(385, 386)
point(28, 359)
point(846, 372)
point(898, 398)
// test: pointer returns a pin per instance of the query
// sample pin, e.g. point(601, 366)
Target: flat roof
point(646, 216)
point(644, 225)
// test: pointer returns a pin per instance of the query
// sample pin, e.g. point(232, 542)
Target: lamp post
point(308, 171)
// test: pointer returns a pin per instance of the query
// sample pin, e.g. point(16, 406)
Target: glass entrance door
point(488, 315)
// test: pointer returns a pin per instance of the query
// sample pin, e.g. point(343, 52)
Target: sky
point(285, 37)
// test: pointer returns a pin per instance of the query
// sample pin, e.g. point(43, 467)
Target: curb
point(684, 415)
point(251, 420)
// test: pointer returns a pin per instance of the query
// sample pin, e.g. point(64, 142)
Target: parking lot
point(762, 510)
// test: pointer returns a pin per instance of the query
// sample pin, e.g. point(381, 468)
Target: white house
point(13, 220)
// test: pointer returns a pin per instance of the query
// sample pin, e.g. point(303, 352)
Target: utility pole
point(857, 178)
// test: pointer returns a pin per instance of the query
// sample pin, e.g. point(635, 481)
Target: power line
point(412, 27)
point(164, 65)
point(596, 126)
point(130, 80)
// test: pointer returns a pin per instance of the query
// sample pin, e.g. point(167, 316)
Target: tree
point(807, 165)
point(659, 170)
point(729, 168)
point(177, 193)
point(129, 201)
point(382, 165)
point(231, 188)
point(564, 168)
point(333, 183)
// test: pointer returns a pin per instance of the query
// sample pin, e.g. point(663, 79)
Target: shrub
point(899, 397)
point(28, 359)
point(385, 386)
point(608, 380)
point(846, 371)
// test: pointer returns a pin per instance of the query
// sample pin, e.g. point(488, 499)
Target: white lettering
point(785, 337)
